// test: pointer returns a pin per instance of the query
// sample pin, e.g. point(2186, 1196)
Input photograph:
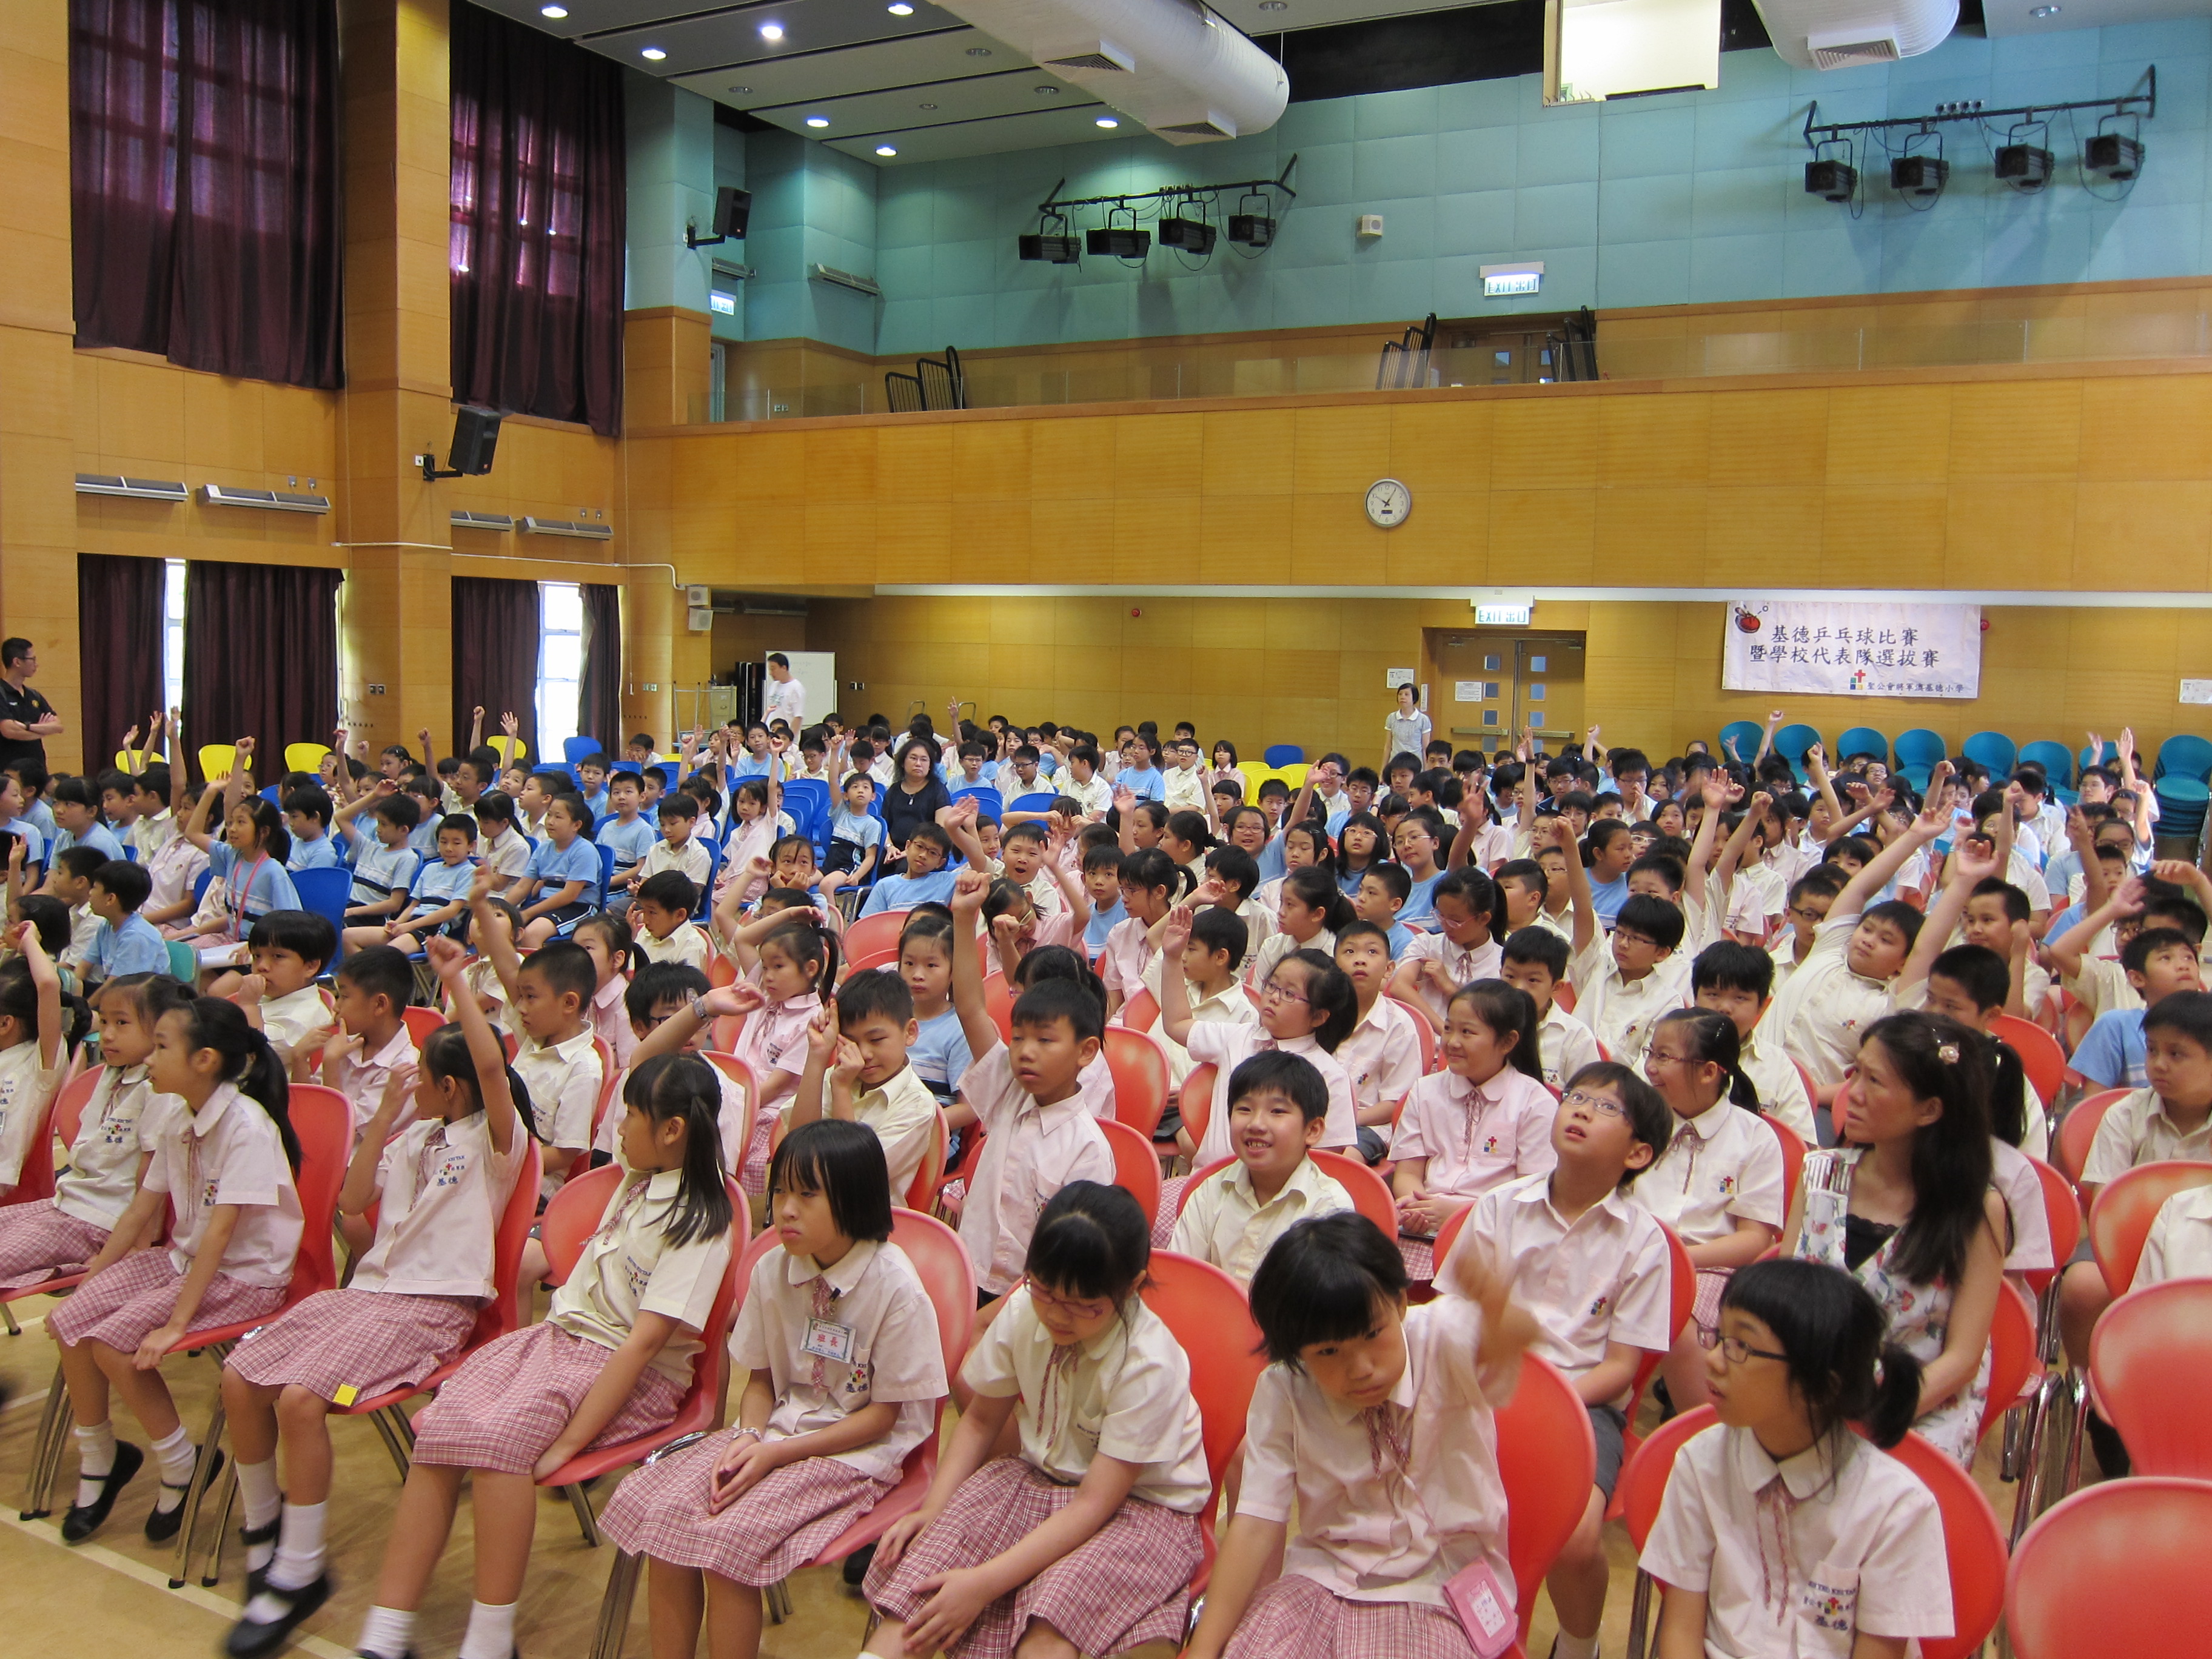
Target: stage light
point(1836, 181)
point(1251, 229)
point(1919, 175)
point(1119, 241)
point(1191, 236)
point(2113, 156)
point(1052, 250)
point(2024, 167)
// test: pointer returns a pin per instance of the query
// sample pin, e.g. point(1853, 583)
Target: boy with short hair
point(858, 1050)
point(1102, 884)
point(2160, 962)
point(628, 833)
point(372, 988)
point(1383, 1054)
point(288, 950)
point(1027, 1096)
point(1969, 983)
point(307, 815)
point(1209, 965)
point(679, 849)
point(1737, 980)
point(1277, 1110)
point(1534, 960)
point(927, 878)
point(2135, 905)
point(1383, 888)
point(592, 778)
point(549, 994)
point(438, 900)
point(126, 943)
point(538, 793)
point(68, 878)
point(1996, 918)
point(384, 867)
point(1623, 983)
point(664, 929)
point(1810, 898)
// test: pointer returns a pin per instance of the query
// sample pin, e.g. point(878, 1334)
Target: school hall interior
point(970, 349)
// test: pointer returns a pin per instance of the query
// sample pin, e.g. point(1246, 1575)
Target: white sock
point(387, 1633)
point(257, 1492)
point(1575, 1647)
point(299, 1559)
point(175, 1453)
point(490, 1634)
point(95, 1461)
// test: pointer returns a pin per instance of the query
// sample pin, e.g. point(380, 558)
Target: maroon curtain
point(538, 225)
point(203, 183)
point(261, 656)
point(118, 631)
point(598, 693)
point(495, 634)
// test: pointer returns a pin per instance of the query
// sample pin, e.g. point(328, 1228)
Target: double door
point(1492, 682)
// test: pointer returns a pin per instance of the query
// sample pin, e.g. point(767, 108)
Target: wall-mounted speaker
point(732, 208)
point(476, 440)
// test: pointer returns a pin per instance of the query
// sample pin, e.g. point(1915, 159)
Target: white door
point(818, 672)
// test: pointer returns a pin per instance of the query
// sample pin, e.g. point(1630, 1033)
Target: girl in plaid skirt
point(847, 1369)
point(441, 1182)
point(609, 1364)
point(1085, 1541)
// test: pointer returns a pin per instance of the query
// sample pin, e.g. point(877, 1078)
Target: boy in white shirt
point(1278, 1108)
point(664, 930)
point(549, 996)
point(1209, 975)
point(1536, 960)
point(1183, 783)
point(290, 949)
point(1623, 983)
point(679, 847)
point(1734, 980)
point(857, 1069)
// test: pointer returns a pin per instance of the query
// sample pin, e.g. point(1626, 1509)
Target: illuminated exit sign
point(1502, 615)
point(1505, 282)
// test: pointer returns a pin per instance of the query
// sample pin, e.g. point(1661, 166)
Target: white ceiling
point(2003, 17)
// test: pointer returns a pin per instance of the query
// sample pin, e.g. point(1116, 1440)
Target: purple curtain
point(261, 656)
point(537, 225)
point(495, 634)
point(598, 694)
point(203, 183)
point(120, 649)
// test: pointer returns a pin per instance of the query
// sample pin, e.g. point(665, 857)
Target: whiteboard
point(818, 672)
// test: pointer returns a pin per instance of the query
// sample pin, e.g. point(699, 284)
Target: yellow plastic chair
point(305, 756)
point(1294, 775)
point(132, 761)
point(510, 749)
point(1253, 777)
point(217, 760)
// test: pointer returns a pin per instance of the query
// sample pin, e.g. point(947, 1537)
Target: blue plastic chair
point(2056, 759)
point(576, 751)
point(1916, 752)
point(713, 873)
point(1993, 750)
point(808, 801)
point(987, 801)
point(606, 872)
point(1283, 754)
point(1744, 735)
point(1862, 740)
point(324, 892)
point(2179, 775)
point(1041, 802)
point(2110, 758)
point(272, 794)
point(1791, 742)
point(200, 886)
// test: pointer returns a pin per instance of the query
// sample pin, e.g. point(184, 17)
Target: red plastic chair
point(611, 1076)
point(1637, 1497)
point(1425, 1025)
point(2119, 1221)
point(1563, 994)
point(1793, 1157)
point(1194, 1100)
point(1812, 1088)
point(999, 1004)
point(702, 1405)
point(498, 1316)
point(34, 1176)
point(322, 1119)
point(720, 970)
point(1140, 1012)
point(423, 1024)
point(1547, 1462)
point(2062, 1211)
point(2015, 1363)
point(2070, 1144)
point(2147, 1358)
point(1206, 1309)
point(741, 1074)
point(921, 1191)
point(1682, 1300)
point(1136, 1169)
point(2113, 1571)
point(1370, 1195)
point(2040, 1056)
point(1140, 1066)
point(873, 940)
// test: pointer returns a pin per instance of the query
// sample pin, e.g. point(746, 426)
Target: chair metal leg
point(8, 1313)
point(2077, 1431)
point(581, 1501)
point(46, 1450)
point(1639, 1614)
point(196, 1494)
point(778, 1598)
point(212, 1574)
point(614, 1605)
point(390, 1438)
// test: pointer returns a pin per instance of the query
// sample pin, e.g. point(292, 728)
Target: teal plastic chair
point(2110, 758)
point(1744, 735)
point(1917, 751)
point(1862, 740)
point(1793, 740)
point(1994, 751)
point(2184, 764)
point(2056, 759)
point(183, 961)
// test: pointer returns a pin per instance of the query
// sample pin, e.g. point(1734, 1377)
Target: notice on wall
point(1467, 690)
point(2196, 690)
point(1844, 650)
point(1395, 677)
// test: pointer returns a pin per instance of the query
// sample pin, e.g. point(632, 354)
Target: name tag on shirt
point(1479, 1600)
point(827, 1339)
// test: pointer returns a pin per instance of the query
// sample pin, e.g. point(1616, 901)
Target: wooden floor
point(111, 1593)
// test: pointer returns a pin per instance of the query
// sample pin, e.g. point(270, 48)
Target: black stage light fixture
point(1919, 175)
point(1119, 241)
point(1835, 180)
point(1251, 229)
point(1191, 236)
point(1053, 250)
point(2113, 156)
point(2024, 167)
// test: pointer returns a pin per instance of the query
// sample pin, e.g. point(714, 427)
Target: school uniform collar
point(1305, 1180)
point(570, 1048)
point(1463, 1089)
point(1403, 1396)
point(1298, 1045)
point(397, 1052)
point(1217, 999)
point(1802, 1475)
point(1539, 1191)
point(611, 993)
point(805, 1002)
point(202, 1124)
point(664, 1184)
point(840, 1278)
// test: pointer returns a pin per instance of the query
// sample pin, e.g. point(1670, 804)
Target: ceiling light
point(818, 120)
point(886, 149)
point(978, 51)
point(741, 91)
point(928, 107)
point(899, 8)
point(553, 11)
point(1048, 92)
point(1274, 5)
point(771, 31)
point(1107, 121)
point(2043, 11)
point(653, 54)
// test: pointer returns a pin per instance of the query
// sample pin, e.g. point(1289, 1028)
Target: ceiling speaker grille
point(1848, 53)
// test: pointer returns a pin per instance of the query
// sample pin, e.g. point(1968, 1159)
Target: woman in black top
point(916, 796)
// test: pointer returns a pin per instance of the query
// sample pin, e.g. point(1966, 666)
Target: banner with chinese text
point(1844, 650)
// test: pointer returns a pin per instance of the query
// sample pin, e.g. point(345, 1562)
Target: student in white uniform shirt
point(661, 925)
point(2180, 1245)
point(610, 1362)
point(838, 1341)
point(1734, 979)
point(443, 1147)
point(1624, 982)
point(1470, 913)
point(857, 1072)
point(1382, 1053)
point(1278, 1107)
point(549, 994)
point(1719, 1182)
point(33, 1049)
point(1536, 960)
point(500, 843)
point(1861, 1569)
point(290, 949)
point(1374, 1422)
point(1208, 969)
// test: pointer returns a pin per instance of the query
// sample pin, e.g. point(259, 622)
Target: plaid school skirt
point(369, 1341)
point(778, 1526)
point(1126, 1585)
point(1420, 1258)
point(1295, 1618)
point(38, 1243)
point(503, 1410)
point(752, 1175)
point(123, 1304)
point(1164, 1218)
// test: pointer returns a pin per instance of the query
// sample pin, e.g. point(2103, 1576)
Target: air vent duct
point(138, 489)
point(269, 501)
point(588, 532)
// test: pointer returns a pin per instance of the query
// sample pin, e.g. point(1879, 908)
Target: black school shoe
point(85, 1519)
point(161, 1524)
point(250, 1640)
point(257, 1578)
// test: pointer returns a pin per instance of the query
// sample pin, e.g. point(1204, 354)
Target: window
point(172, 635)
point(560, 663)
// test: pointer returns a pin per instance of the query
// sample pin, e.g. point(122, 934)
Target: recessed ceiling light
point(929, 107)
point(2044, 11)
point(899, 8)
point(553, 11)
point(741, 91)
point(771, 31)
point(1274, 5)
point(818, 120)
point(1049, 92)
point(886, 149)
point(653, 54)
point(1107, 121)
point(978, 51)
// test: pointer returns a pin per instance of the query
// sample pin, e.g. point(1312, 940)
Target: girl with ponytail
point(224, 1158)
point(1718, 1182)
point(1782, 1531)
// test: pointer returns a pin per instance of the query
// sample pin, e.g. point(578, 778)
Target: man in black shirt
point(26, 718)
